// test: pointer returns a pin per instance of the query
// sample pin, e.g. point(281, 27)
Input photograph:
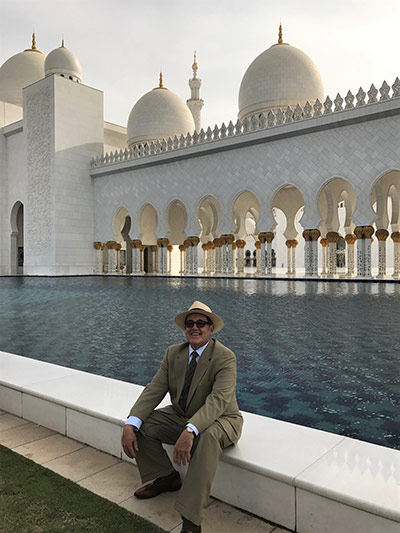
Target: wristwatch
point(191, 431)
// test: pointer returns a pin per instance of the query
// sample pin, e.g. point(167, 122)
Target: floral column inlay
point(350, 240)
point(218, 255)
point(324, 243)
point(240, 244)
point(382, 235)
point(333, 238)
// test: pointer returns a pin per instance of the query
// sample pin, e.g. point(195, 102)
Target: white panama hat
point(201, 309)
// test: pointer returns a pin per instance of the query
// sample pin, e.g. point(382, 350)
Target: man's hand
point(129, 441)
point(182, 448)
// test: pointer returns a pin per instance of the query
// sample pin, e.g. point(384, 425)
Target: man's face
point(198, 337)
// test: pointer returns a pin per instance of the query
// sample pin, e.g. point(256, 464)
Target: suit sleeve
point(221, 395)
point(153, 393)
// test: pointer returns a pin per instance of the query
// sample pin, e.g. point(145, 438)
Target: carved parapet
point(350, 238)
point(194, 240)
point(162, 243)
point(110, 245)
point(217, 242)
point(257, 244)
point(324, 243)
point(382, 234)
point(332, 236)
point(98, 245)
point(136, 243)
point(396, 236)
point(315, 234)
point(240, 243)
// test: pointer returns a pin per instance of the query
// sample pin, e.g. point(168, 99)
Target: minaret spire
point(195, 103)
point(160, 85)
point(34, 41)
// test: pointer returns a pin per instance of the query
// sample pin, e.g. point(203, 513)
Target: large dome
point(19, 71)
point(63, 62)
point(159, 114)
point(280, 76)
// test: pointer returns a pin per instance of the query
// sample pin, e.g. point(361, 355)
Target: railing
point(257, 122)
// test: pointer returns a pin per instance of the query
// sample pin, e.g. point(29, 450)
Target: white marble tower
point(195, 103)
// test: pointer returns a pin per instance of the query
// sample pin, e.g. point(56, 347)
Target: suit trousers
point(165, 426)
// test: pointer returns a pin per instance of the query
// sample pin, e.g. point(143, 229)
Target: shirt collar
point(199, 351)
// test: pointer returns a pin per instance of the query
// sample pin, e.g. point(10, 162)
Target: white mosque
point(296, 183)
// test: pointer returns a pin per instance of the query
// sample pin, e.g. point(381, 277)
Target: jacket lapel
point(180, 366)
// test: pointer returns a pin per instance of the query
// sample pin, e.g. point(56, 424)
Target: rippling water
point(320, 354)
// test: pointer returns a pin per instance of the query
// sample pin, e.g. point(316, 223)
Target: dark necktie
point(190, 370)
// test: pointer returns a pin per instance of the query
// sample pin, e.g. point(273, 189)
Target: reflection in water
point(321, 354)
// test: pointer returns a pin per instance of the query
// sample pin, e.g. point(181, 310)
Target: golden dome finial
point(62, 43)
point(195, 66)
point(160, 85)
point(34, 41)
point(280, 39)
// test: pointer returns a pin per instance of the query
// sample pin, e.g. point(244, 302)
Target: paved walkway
point(114, 479)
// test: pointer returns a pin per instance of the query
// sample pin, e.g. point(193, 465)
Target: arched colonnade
point(337, 246)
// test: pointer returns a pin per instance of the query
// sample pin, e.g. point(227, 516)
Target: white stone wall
point(306, 155)
point(64, 129)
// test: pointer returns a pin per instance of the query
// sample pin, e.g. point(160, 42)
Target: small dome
point(280, 76)
point(159, 114)
point(63, 62)
point(19, 71)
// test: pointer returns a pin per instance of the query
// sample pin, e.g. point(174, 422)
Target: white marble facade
point(312, 188)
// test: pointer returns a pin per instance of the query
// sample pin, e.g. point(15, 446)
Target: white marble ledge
point(358, 474)
point(278, 449)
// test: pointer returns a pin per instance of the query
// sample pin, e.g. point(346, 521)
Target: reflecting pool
point(320, 354)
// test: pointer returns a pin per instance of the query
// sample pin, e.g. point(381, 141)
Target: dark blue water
point(320, 354)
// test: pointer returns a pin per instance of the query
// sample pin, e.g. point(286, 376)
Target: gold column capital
point(332, 236)
point(98, 245)
point(382, 234)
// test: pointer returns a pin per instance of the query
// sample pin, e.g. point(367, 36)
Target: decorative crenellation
point(254, 123)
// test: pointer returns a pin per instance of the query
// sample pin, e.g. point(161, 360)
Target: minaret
point(195, 103)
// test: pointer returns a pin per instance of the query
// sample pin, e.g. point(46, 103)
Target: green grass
point(35, 499)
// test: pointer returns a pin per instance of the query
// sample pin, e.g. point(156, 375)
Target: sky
point(122, 44)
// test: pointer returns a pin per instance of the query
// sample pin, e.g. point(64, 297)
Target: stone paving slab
point(44, 450)
point(81, 463)
point(116, 480)
point(19, 435)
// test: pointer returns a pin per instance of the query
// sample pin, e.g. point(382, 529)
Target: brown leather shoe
point(189, 527)
point(169, 483)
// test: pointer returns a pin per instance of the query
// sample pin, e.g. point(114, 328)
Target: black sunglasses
point(199, 323)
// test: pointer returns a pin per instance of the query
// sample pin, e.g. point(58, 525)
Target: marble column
point(99, 247)
point(188, 256)
point(333, 237)
point(211, 257)
point(324, 243)
point(112, 256)
point(240, 244)
point(182, 250)
point(229, 240)
point(169, 249)
point(204, 247)
point(162, 255)
point(218, 255)
point(396, 252)
point(258, 245)
point(315, 235)
point(194, 270)
point(350, 240)
point(307, 252)
point(364, 234)
point(289, 258)
point(136, 266)
point(293, 250)
point(142, 248)
point(382, 235)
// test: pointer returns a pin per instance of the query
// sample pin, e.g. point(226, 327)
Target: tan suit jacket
point(212, 394)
